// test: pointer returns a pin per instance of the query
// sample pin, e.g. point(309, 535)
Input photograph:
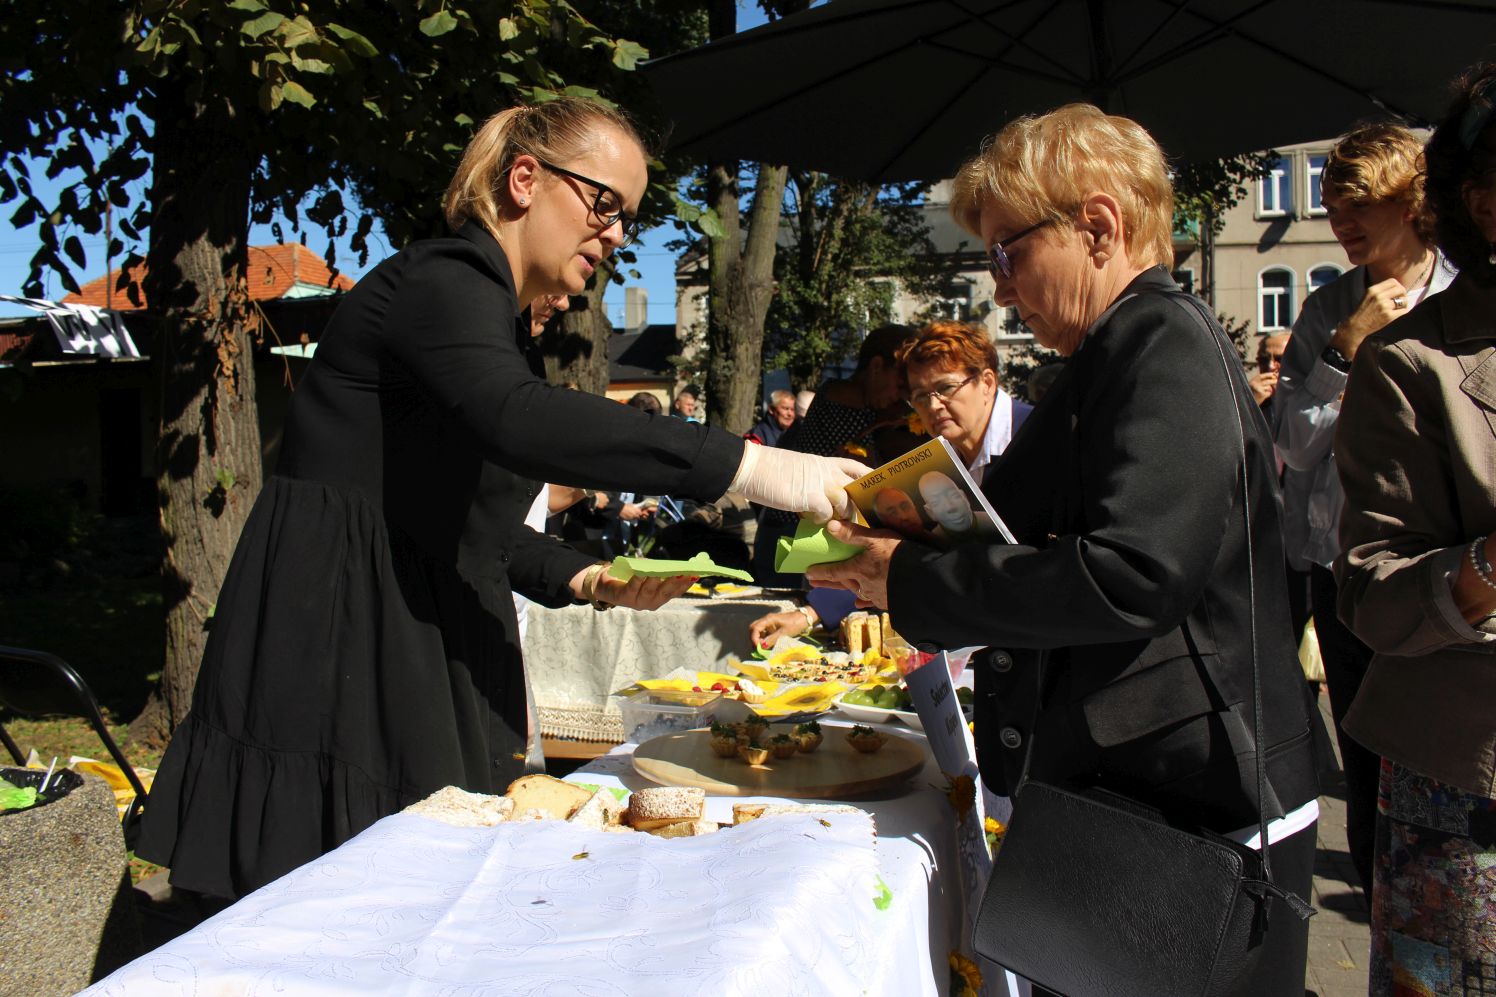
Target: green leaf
point(311, 65)
point(224, 477)
point(711, 225)
point(627, 54)
point(150, 43)
point(508, 30)
point(353, 41)
point(297, 94)
point(438, 24)
point(262, 25)
point(248, 6)
point(298, 31)
point(270, 96)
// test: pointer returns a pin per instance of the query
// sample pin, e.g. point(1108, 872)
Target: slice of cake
point(660, 805)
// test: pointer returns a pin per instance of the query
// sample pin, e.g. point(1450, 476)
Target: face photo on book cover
point(947, 505)
point(896, 510)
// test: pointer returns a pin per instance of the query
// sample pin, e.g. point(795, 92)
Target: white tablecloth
point(415, 907)
point(577, 657)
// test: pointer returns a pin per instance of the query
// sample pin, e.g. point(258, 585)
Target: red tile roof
point(273, 270)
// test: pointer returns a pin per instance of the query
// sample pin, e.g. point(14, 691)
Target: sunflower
point(966, 976)
point(961, 790)
point(994, 829)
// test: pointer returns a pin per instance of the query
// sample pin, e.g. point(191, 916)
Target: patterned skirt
point(1433, 908)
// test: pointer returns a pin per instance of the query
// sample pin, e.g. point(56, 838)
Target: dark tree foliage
point(242, 110)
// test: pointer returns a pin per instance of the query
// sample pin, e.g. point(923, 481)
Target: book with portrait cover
point(927, 495)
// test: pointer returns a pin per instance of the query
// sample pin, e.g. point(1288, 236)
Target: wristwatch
point(1336, 359)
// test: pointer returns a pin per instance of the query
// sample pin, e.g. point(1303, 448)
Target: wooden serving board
point(833, 771)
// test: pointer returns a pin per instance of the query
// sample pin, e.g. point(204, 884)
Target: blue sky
point(656, 266)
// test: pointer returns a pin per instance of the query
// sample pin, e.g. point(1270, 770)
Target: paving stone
point(1340, 934)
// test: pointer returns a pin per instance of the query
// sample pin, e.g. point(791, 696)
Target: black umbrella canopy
point(906, 89)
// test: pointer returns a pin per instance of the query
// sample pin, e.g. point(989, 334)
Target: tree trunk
point(208, 450)
point(741, 274)
point(575, 346)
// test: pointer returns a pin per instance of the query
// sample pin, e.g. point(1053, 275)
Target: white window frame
point(1278, 180)
point(1309, 287)
point(1000, 331)
point(1285, 294)
point(1313, 176)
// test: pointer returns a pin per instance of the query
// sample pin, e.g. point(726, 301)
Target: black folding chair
point(38, 684)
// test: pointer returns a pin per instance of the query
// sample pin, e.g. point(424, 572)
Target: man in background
point(1264, 382)
point(779, 417)
point(684, 406)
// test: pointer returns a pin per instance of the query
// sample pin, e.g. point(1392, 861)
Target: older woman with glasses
point(1123, 630)
point(949, 372)
point(364, 651)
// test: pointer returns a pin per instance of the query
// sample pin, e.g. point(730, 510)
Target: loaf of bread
point(459, 808)
point(553, 796)
point(660, 805)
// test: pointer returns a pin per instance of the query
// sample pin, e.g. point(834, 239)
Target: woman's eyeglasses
point(924, 399)
point(607, 206)
point(997, 257)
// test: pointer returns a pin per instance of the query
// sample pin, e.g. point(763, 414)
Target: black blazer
point(1124, 490)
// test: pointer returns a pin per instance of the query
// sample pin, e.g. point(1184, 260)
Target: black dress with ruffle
point(364, 651)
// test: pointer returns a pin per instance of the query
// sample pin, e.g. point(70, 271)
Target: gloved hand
point(797, 482)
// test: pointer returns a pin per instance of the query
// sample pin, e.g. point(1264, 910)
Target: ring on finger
point(1399, 302)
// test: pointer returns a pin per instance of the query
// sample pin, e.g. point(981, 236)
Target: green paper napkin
point(13, 797)
point(700, 566)
point(811, 545)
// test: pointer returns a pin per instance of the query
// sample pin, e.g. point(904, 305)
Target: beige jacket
point(1416, 448)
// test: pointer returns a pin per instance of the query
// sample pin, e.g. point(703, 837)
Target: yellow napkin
point(703, 679)
point(783, 697)
point(815, 698)
point(115, 777)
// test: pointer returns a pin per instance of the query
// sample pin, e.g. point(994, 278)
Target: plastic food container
point(651, 713)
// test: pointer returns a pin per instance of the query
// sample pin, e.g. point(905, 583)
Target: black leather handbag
point(1093, 894)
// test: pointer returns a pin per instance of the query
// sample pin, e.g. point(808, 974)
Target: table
point(411, 906)
point(577, 657)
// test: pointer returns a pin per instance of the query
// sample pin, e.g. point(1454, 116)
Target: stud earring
point(524, 201)
point(1492, 258)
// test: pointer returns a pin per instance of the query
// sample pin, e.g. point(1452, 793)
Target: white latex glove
point(797, 482)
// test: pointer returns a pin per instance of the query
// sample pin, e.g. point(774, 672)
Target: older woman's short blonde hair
point(1376, 164)
point(556, 131)
point(1044, 167)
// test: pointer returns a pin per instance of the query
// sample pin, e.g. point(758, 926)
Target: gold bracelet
point(589, 586)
